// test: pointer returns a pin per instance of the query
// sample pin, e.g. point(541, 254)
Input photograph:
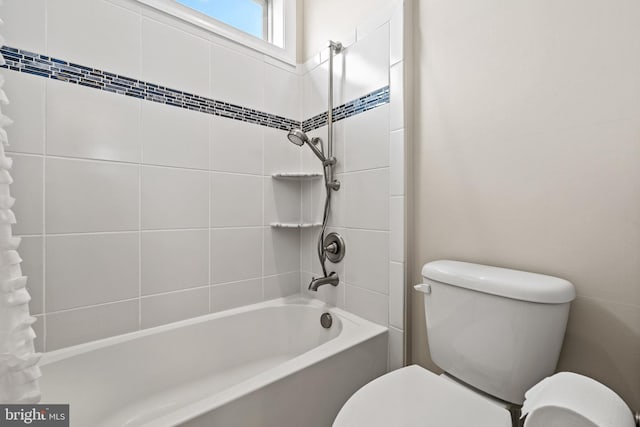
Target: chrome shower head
point(298, 137)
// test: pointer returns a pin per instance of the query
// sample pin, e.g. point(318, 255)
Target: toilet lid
point(415, 397)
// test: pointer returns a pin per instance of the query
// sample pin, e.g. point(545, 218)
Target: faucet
point(331, 279)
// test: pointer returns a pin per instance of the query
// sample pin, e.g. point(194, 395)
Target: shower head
point(298, 137)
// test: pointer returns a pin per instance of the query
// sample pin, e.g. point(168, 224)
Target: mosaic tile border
point(365, 103)
point(44, 66)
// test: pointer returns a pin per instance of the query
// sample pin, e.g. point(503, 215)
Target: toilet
point(494, 332)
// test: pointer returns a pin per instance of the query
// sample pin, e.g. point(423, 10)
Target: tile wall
point(130, 210)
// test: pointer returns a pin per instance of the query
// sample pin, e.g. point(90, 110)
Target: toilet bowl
point(496, 333)
point(412, 397)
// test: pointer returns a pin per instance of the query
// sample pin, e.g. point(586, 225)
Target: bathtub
point(268, 364)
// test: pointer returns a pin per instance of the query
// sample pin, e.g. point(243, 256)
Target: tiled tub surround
point(123, 227)
point(138, 230)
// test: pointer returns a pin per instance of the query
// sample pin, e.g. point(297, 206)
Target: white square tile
point(235, 294)
point(73, 327)
point(281, 285)
point(314, 194)
point(315, 88)
point(280, 155)
point(174, 198)
point(97, 34)
point(174, 58)
point(91, 269)
point(281, 251)
point(369, 305)
point(367, 199)
point(24, 24)
point(396, 96)
point(281, 200)
point(160, 309)
point(366, 65)
point(31, 251)
point(236, 254)
point(89, 123)
point(282, 92)
point(396, 36)
point(237, 78)
point(397, 163)
point(27, 190)
point(308, 240)
point(174, 136)
point(236, 200)
point(368, 260)
point(396, 349)
point(90, 196)
point(367, 140)
point(396, 224)
point(26, 94)
point(174, 260)
point(236, 146)
point(396, 295)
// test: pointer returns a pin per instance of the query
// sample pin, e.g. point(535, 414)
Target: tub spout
point(331, 279)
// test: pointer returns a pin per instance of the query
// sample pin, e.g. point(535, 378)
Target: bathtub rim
point(354, 330)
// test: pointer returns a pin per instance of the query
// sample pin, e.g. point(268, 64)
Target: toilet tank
point(496, 329)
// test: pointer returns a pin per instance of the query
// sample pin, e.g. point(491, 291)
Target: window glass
point(249, 16)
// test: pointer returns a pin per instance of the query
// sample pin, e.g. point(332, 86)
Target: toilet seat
point(415, 397)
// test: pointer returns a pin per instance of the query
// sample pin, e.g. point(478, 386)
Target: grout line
point(132, 163)
point(93, 306)
point(262, 186)
point(366, 289)
point(210, 196)
point(176, 291)
point(140, 212)
point(44, 209)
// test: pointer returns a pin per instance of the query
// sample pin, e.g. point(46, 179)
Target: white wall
point(528, 156)
point(135, 213)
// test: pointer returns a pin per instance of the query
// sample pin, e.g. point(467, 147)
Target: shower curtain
point(19, 371)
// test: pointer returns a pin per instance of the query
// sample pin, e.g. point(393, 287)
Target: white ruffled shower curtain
point(19, 371)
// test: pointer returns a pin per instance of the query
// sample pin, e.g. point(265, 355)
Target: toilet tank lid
point(515, 284)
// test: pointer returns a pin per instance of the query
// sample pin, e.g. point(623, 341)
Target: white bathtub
point(269, 364)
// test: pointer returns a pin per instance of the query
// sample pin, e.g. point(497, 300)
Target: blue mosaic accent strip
point(57, 69)
point(365, 103)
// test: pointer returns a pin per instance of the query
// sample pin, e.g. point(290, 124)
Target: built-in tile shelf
point(295, 225)
point(296, 175)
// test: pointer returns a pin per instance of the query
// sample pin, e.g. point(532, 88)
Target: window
point(250, 16)
point(267, 26)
